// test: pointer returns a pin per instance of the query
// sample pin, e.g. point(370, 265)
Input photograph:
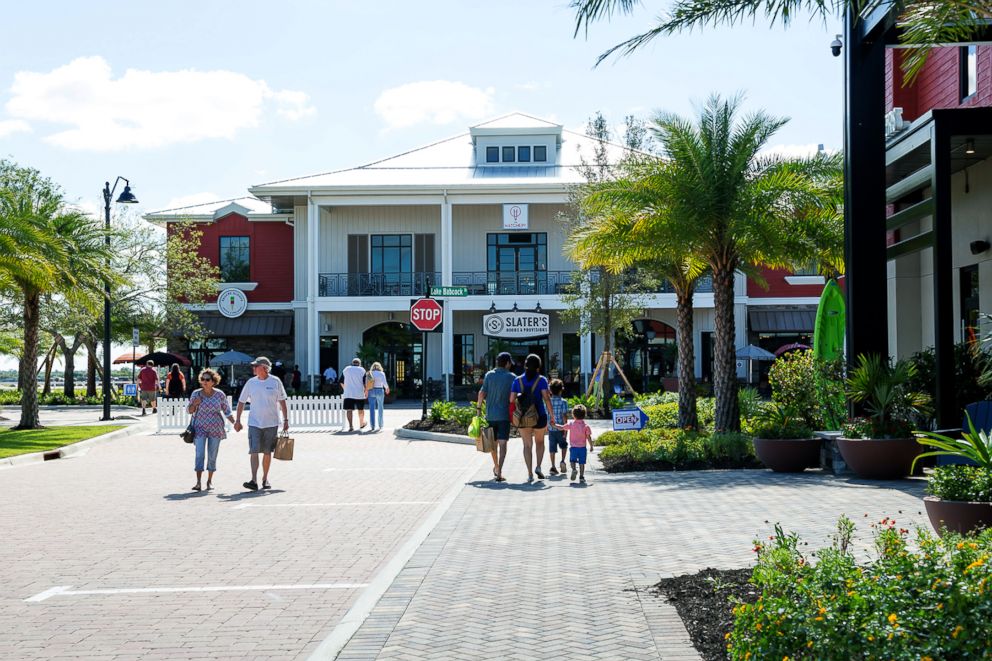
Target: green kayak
point(831, 319)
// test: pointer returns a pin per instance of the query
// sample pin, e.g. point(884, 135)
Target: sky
point(196, 101)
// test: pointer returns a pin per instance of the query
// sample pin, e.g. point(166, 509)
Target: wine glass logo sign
point(515, 212)
point(516, 216)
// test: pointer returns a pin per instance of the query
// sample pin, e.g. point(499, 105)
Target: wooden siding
point(336, 223)
point(471, 223)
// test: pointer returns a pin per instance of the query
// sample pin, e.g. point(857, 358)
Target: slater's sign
point(516, 324)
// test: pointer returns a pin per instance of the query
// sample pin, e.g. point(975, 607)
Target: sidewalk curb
point(433, 436)
point(69, 450)
point(359, 612)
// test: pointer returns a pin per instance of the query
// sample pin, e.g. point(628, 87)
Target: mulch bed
point(704, 600)
point(445, 427)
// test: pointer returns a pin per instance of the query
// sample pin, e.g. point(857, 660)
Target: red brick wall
point(938, 83)
point(778, 287)
point(271, 254)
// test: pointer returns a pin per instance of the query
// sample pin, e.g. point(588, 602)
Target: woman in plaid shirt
point(557, 438)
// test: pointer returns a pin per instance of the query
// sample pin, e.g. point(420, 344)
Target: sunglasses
point(206, 379)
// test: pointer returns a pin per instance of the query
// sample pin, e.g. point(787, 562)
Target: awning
point(248, 325)
point(782, 321)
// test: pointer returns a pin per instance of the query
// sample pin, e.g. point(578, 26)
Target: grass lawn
point(39, 440)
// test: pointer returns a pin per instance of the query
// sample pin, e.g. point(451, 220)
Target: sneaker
point(553, 471)
point(530, 478)
point(562, 468)
point(154, 409)
point(266, 485)
point(540, 475)
point(575, 471)
point(582, 479)
point(144, 412)
point(251, 485)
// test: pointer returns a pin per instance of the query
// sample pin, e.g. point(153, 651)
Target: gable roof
point(249, 207)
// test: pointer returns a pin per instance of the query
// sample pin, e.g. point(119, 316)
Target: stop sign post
point(426, 315)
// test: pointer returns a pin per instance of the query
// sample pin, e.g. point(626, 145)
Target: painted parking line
point(64, 591)
point(381, 503)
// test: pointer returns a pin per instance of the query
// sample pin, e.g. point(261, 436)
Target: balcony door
point(517, 263)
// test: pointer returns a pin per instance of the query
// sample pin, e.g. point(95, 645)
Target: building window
point(391, 264)
point(492, 154)
point(969, 71)
point(234, 259)
point(523, 154)
point(517, 263)
point(508, 153)
point(464, 359)
point(969, 303)
point(810, 269)
point(540, 154)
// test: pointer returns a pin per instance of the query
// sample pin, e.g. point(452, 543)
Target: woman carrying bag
point(531, 399)
point(209, 407)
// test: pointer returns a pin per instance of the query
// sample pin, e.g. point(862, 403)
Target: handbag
point(486, 441)
point(526, 417)
point(284, 448)
point(189, 435)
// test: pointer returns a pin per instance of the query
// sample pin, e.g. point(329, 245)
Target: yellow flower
point(818, 618)
point(940, 606)
point(889, 637)
point(871, 638)
point(809, 643)
point(960, 545)
point(747, 655)
point(925, 658)
point(822, 610)
point(758, 626)
point(726, 636)
point(892, 618)
point(958, 629)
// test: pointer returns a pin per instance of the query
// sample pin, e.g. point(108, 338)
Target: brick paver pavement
point(559, 571)
point(122, 517)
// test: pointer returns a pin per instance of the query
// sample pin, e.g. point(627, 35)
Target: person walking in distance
point(267, 397)
point(148, 387)
point(579, 436)
point(495, 394)
point(175, 383)
point(530, 391)
point(377, 394)
point(209, 407)
point(297, 378)
point(556, 437)
point(354, 392)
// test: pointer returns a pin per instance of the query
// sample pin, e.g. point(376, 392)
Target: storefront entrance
point(397, 346)
point(648, 353)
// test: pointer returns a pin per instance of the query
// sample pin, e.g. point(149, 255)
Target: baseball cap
point(263, 361)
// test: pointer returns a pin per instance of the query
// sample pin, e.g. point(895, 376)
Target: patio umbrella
point(751, 353)
point(163, 358)
point(126, 357)
point(794, 346)
point(230, 359)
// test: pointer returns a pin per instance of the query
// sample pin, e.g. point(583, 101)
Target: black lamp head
point(126, 196)
point(978, 247)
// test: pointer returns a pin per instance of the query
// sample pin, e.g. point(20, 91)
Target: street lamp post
point(646, 367)
point(126, 197)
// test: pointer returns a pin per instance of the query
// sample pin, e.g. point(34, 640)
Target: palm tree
point(925, 23)
point(620, 234)
point(714, 197)
point(58, 250)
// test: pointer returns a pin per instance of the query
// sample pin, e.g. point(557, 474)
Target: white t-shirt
point(354, 382)
point(264, 396)
point(380, 379)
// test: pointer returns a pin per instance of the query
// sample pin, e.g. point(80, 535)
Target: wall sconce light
point(514, 306)
point(969, 146)
point(492, 308)
point(978, 247)
point(538, 308)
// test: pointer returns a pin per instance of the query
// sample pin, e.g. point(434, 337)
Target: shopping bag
point(284, 448)
point(488, 439)
point(475, 427)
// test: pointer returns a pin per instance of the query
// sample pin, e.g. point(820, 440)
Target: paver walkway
point(559, 571)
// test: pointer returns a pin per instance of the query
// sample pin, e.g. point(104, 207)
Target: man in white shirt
point(267, 396)
point(355, 394)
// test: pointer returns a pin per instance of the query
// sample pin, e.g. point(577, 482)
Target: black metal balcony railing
point(377, 284)
point(479, 283)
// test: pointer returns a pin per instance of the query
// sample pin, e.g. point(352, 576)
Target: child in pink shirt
point(579, 436)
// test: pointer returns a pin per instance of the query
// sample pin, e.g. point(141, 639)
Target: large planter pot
point(788, 455)
point(958, 516)
point(879, 458)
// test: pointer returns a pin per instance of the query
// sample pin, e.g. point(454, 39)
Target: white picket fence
point(305, 413)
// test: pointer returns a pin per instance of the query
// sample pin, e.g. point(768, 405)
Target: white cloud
point(191, 200)
point(12, 126)
point(434, 101)
point(145, 109)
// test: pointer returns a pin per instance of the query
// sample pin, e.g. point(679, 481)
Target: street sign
point(130, 390)
point(134, 337)
point(449, 291)
point(629, 419)
point(426, 315)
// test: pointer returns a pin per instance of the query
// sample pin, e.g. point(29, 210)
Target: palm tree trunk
point(724, 352)
point(688, 418)
point(29, 394)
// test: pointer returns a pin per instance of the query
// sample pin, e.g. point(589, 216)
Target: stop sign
point(425, 314)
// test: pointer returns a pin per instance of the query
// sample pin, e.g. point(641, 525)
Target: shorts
point(352, 403)
point(541, 424)
point(501, 429)
point(556, 439)
point(148, 396)
point(577, 455)
point(262, 439)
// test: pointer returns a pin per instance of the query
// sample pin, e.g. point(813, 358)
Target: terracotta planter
point(788, 455)
point(879, 458)
point(958, 516)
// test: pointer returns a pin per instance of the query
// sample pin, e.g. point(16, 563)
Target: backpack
point(525, 413)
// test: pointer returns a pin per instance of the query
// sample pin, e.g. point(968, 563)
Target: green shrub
point(662, 416)
point(463, 414)
point(812, 388)
point(441, 411)
point(737, 448)
point(587, 401)
point(779, 421)
point(923, 600)
point(957, 482)
point(652, 398)
point(674, 449)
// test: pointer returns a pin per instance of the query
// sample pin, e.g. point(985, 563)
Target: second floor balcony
point(478, 283)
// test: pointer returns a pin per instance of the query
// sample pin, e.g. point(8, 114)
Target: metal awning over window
point(248, 325)
point(782, 321)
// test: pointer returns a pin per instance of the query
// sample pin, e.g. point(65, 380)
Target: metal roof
point(256, 324)
point(778, 321)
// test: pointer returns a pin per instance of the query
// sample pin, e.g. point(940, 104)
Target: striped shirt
point(559, 408)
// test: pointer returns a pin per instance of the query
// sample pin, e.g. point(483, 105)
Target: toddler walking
point(579, 437)
point(556, 437)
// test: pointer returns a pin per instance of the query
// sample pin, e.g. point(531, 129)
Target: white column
point(585, 357)
point(313, 336)
point(448, 332)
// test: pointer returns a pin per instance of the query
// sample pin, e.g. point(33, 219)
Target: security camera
point(836, 45)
